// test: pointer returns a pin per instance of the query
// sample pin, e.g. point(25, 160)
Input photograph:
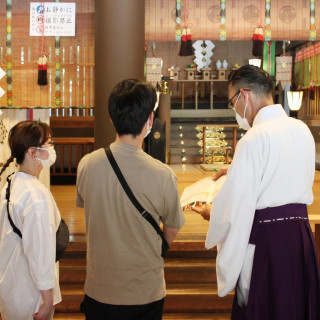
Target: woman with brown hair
point(29, 277)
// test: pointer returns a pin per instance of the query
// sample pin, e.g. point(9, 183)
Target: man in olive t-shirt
point(125, 278)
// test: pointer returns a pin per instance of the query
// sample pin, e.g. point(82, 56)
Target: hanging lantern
point(294, 100)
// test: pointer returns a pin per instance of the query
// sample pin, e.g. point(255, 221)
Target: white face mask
point(148, 128)
point(47, 163)
point(242, 122)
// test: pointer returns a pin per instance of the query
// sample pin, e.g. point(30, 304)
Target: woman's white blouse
point(27, 265)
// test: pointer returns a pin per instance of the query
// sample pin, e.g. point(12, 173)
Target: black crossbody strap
point(131, 196)
point(15, 229)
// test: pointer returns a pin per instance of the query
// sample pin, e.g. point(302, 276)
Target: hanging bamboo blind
point(290, 19)
point(76, 57)
point(306, 75)
point(310, 107)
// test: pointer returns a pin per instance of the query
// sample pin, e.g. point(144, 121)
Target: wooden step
point(69, 316)
point(166, 316)
point(180, 298)
point(184, 270)
point(196, 316)
point(182, 247)
point(190, 271)
point(72, 296)
point(72, 274)
point(194, 298)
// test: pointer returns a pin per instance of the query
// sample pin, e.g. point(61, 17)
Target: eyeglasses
point(230, 100)
point(238, 92)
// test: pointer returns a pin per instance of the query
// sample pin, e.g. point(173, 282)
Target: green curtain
point(298, 73)
point(313, 69)
point(306, 73)
point(317, 67)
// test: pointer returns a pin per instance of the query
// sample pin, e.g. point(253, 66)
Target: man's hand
point(204, 211)
point(221, 172)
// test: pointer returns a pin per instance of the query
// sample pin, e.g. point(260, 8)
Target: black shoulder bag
point(62, 234)
point(135, 202)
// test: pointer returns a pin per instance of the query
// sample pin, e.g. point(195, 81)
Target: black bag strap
point(15, 229)
point(131, 196)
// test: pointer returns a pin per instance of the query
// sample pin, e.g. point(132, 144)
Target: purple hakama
point(285, 281)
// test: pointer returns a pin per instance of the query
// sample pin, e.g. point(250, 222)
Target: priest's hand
point(204, 211)
point(221, 172)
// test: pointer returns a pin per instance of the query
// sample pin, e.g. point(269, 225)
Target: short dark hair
point(130, 105)
point(252, 78)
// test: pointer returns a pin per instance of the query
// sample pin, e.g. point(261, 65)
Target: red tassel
point(183, 46)
point(189, 50)
point(255, 43)
point(258, 41)
point(42, 70)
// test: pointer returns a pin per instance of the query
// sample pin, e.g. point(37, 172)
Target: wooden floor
point(195, 226)
point(189, 269)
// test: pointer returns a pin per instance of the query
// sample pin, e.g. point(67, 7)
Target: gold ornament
point(157, 135)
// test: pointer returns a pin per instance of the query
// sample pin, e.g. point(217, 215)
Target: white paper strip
point(2, 73)
point(2, 92)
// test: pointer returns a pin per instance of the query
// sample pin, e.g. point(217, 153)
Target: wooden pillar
point(119, 55)
point(164, 115)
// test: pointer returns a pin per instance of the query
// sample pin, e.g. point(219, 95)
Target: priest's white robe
point(27, 265)
point(273, 165)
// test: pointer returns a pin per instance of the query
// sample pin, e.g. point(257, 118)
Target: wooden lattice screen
point(76, 59)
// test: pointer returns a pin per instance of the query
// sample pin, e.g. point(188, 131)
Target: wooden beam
point(72, 122)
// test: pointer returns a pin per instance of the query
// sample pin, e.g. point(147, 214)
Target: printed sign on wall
point(52, 19)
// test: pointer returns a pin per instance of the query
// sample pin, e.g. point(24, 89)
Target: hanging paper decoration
point(203, 53)
point(313, 31)
point(268, 21)
point(57, 72)
point(178, 20)
point(9, 52)
point(223, 33)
